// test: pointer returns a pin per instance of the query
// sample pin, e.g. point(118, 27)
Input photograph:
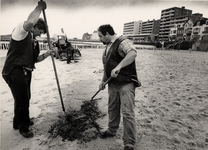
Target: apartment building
point(146, 31)
point(173, 33)
point(150, 27)
point(132, 28)
point(171, 17)
point(200, 30)
point(182, 31)
point(200, 35)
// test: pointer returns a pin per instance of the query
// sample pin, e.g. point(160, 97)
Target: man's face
point(37, 32)
point(105, 39)
point(62, 40)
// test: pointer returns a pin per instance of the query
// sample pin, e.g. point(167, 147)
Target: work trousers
point(122, 99)
point(19, 81)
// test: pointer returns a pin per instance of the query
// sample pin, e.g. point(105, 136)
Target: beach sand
point(171, 105)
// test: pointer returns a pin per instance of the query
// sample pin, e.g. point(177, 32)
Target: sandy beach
point(171, 105)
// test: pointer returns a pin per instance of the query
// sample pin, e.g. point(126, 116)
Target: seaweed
point(78, 124)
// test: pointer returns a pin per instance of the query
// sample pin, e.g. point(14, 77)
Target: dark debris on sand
point(78, 124)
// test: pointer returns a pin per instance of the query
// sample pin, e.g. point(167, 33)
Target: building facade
point(147, 31)
point(200, 30)
point(200, 35)
point(132, 28)
point(171, 17)
point(150, 27)
point(184, 31)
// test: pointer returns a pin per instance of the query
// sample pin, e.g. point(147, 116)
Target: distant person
point(119, 63)
point(162, 43)
point(20, 61)
point(65, 47)
point(190, 49)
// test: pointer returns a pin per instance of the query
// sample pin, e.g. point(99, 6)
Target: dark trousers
point(19, 81)
point(68, 55)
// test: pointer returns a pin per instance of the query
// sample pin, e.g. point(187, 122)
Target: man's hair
point(106, 28)
point(41, 25)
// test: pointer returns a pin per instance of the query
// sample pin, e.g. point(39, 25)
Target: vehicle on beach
point(64, 49)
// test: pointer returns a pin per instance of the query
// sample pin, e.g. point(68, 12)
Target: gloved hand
point(42, 5)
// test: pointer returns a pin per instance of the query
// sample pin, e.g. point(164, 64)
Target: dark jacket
point(22, 53)
point(127, 74)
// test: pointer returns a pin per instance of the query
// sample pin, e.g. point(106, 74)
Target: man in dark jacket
point(119, 63)
point(22, 55)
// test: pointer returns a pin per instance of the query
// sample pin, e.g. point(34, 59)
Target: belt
point(25, 70)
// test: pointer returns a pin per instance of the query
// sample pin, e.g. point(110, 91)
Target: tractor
point(64, 49)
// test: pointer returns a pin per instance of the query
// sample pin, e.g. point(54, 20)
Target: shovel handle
point(54, 66)
point(107, 81)
point(102, 87)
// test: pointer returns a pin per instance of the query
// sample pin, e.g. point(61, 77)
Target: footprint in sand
point(2, 93)
point(176, 103)
point(159, 112)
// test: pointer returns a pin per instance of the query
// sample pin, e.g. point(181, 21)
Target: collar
point(112, 40)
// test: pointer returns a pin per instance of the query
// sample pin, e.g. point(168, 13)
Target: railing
point(4, 45)
point(44, 46)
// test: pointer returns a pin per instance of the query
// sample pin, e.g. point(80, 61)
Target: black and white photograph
point(104, 75)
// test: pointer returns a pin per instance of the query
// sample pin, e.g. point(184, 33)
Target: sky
point(77, 17)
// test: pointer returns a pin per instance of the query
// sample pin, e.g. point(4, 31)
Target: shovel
point(54, 66)
point(101, 88)
point(94, 122)
point(95, 95)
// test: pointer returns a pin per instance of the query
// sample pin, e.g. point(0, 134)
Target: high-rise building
point(132, 28)
point(142, 31)
point(150, 27)
point(171, 17)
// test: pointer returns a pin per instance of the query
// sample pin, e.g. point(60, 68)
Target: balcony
point(168, 11)
point(147, 22)
point(195, 32)
point(147, 26)
point(181, 20)
point(205, 32)
point(167, 15)
point(188, 32)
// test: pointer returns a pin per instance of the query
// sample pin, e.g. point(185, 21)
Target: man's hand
point(50, 52)
point(101, 87)
point(115, 71)
point(42, 5)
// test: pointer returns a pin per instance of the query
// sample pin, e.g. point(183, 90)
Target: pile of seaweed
point(78, 124)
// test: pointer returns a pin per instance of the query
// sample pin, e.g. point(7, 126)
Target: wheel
point(56, 53)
